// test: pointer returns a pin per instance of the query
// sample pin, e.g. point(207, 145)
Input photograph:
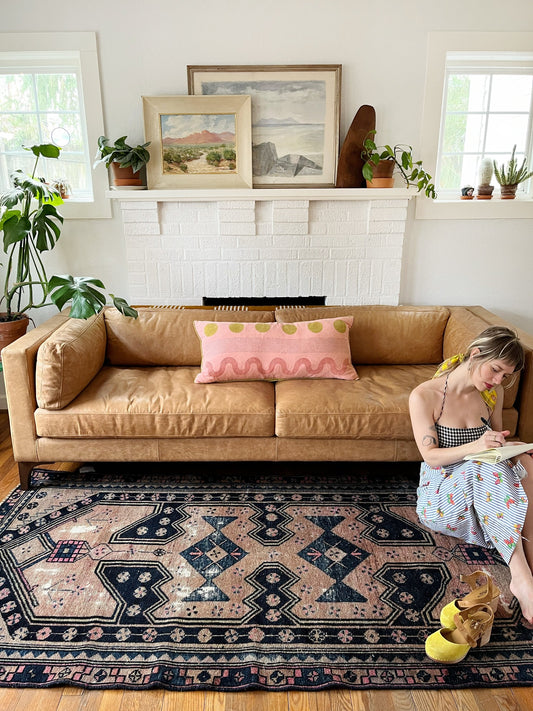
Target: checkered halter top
point(456, 436)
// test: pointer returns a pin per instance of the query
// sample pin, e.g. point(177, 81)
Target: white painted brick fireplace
point(344, 244)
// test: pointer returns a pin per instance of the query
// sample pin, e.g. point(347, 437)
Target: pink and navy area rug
point(237, 577)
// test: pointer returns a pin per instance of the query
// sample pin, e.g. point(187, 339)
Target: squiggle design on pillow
point(276, 369)
point(275, 351)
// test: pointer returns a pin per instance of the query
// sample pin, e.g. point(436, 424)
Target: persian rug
point(234, 577)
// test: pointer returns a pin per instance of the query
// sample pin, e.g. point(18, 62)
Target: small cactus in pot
point(486, 171)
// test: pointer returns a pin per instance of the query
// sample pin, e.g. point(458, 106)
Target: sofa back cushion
point(164, 337)
point(385, 335)
point(68, 360)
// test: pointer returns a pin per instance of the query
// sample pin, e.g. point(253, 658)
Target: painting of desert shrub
point(198, 143)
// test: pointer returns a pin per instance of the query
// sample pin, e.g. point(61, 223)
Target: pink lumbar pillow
point(275, 351)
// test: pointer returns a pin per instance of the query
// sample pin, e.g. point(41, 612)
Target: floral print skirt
point(483, 504)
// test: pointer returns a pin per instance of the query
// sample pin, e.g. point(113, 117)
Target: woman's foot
point(522, 588)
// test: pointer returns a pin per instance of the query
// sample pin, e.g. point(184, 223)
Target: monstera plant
point(30, 224)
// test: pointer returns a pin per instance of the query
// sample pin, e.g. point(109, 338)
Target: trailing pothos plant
point(401, 155)
point(30, 225)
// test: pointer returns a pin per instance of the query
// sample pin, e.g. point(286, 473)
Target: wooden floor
point(70, 698)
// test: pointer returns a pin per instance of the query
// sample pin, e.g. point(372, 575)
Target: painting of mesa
point(202, 144)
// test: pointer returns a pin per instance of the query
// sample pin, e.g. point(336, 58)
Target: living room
point(449, 252)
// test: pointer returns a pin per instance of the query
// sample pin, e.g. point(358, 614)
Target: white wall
point(144, 48)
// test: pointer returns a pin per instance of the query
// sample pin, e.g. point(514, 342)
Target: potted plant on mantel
point(124, 160)
point(381, 161)
point(510, 176)
point(30, 224)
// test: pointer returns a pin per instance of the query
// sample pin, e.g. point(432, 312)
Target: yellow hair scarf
point(489, 396)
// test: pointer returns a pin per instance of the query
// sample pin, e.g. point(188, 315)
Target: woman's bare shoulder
point(428, 392)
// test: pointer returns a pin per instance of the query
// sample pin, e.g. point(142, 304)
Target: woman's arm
point(423, 423)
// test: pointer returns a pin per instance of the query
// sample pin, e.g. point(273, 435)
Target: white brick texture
point(348, 251)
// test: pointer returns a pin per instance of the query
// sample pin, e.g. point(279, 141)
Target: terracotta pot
point(382, 175)
point(125, 176)
point(11, 330)
point(484, 192)
point(508, 192)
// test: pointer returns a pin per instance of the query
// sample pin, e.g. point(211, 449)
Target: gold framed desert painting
point(198, 141)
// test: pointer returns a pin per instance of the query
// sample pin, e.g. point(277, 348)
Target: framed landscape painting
point(295, 118)
point(198, 141)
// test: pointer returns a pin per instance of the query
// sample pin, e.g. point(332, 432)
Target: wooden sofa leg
point(25, 469)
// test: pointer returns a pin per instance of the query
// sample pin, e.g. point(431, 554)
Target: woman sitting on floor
point(459, 412)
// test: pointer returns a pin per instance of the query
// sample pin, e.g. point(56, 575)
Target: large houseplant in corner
point(30, 224)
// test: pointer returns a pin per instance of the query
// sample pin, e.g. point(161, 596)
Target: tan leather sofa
point(117, 389)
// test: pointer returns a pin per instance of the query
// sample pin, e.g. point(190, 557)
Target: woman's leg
point(522, 581)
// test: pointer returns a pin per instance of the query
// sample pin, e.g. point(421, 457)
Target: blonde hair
point(498, 343)
point(494, 343)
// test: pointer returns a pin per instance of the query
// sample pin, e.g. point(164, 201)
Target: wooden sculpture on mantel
point(350, 168)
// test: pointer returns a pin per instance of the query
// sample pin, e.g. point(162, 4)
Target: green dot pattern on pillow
point(315, 327)
point(289, 328)
point(210, 329)
point(236, 327)
point(340, 326)
point(262, 327)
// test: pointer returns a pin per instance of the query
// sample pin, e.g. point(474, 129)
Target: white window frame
point(83, 43)
point(439, 43)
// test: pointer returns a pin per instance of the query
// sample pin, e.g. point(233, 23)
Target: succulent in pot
point(485, 173)
point(124, 160)
point(30, 224)
point(509, 175)
point(63, 187)
point(400, 157)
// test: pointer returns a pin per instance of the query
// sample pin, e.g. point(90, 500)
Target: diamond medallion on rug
point(286, 577)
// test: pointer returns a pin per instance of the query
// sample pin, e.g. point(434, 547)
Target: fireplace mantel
point(346, 243)
point(264, 194)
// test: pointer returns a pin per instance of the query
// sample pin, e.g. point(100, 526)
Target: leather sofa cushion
point(374, 407)
point(164, 336)
point(68, 360)
point(381, 335)
point(161, 402)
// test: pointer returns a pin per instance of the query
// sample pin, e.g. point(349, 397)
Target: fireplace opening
point(264, 301)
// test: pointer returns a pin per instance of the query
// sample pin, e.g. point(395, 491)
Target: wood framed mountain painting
point(295, 118)
point(198, 141)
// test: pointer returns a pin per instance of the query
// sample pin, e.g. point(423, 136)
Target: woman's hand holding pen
point(492, 438)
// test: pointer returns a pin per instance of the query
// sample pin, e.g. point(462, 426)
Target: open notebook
point(500, 454)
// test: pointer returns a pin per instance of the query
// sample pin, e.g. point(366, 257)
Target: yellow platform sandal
point(472, 628)
point(486, 593)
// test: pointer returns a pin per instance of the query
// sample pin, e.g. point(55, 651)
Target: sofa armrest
point(18, 361)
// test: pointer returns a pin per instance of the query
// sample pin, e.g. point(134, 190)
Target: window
point(487, 109)
point(478, 102)
point(50, 93)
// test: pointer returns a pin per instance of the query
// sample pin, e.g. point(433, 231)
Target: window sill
point(474, 209)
